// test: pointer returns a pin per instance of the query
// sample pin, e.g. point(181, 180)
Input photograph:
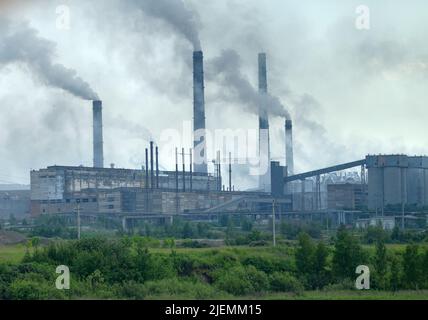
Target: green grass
point(348, 295)
point(12, 254)
point(316, 295)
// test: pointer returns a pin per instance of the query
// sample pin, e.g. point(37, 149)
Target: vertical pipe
point(199, 139)
point(183, 155)
point(176, 170)
point(303, 195)
point(157, 167)
point(289, 147)
point(274, 223)
point(191, 169)
point(147, 169)
point(230, 171)
point(152, 177)
point(218, 171)
point(97, 108)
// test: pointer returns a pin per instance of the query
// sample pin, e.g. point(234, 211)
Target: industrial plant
point(383, 189)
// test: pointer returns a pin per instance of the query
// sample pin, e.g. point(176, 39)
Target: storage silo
point(416, 182)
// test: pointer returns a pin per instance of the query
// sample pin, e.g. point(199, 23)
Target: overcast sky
point(350, 92)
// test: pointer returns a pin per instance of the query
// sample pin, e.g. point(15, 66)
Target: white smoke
point(226, 68)
point(174, 13)
point(20, 44)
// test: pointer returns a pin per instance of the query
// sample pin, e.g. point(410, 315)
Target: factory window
point(111, 206)
point(85, 200)
point(110, 199)
point(94, 200)
point(67, 200)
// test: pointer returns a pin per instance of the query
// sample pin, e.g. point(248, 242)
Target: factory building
point(58, 187)
point(347, 196)
point(396, 181)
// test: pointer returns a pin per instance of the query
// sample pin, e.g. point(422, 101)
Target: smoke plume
point(174, 13)
point(227, 69)
point(21, 44)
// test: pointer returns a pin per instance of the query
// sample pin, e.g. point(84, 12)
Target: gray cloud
point(226, 68)
point(21, 44)
point(177, 15)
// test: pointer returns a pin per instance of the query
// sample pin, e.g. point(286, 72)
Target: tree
point(311, 261)
point(425, 268)
point(35, 242)
point(396, 272)
point(411, 267)
point(381, 264)
point(305, 254)
point(187, 231)
point(320, 266)
point(347, 254)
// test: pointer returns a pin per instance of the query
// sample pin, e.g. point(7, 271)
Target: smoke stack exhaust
point(264, 139)
point(289, 157)
point(98, 134)
point(199, 141)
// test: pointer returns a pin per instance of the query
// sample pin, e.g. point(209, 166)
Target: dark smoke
point(174, 13)
point(21, 44)
point(227, 69)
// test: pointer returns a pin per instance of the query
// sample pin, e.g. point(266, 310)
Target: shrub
point(178, 288)
point(241, 280)
point(285, 282)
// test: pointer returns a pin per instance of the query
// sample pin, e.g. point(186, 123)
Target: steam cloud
point(227, 69)
point(21, 44)
point(174, 13)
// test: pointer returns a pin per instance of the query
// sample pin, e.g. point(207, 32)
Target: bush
point(241, 280)
point(345, 284)
point(285, 282)
point(31, 289)
point(178, 288)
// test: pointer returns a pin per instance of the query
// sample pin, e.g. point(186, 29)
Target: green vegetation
point(145, 268)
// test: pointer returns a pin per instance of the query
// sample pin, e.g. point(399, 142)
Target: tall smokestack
point(152, 177)
point(289, 157)
point(264, 139)
point(199, 141)
point(98, 134)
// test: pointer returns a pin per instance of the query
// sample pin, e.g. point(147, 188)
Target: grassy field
point(13, 253)
point(348, 295)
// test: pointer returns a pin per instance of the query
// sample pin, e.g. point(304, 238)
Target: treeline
point(128, 269)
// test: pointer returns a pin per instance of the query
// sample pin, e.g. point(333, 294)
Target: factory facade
point(57, 189)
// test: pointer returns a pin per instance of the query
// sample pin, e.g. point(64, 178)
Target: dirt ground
point(11, 237)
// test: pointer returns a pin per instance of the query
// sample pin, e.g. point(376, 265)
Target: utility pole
point(273, 223)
